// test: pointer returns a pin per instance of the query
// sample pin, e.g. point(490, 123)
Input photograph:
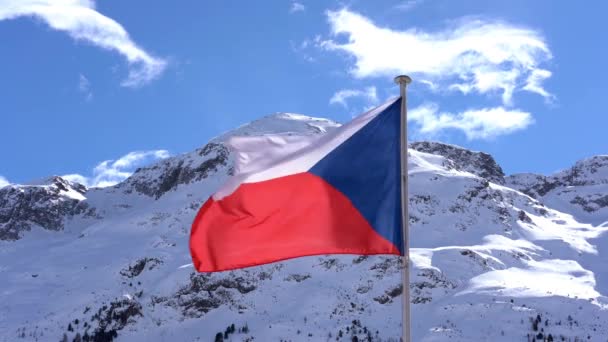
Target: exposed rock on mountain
point(168, 174)
point(46, 206)
point(581, 190)
point(478, 163)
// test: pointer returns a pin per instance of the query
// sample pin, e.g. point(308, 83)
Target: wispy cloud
point(300, 49)
point(485, 123)
point(369, 94)
point(487, 57)
point(112, 172)
point(534, 83)
point(82, 22)
point(84, 86)
point(4, 182)
point(408, 5)
point(296, 7)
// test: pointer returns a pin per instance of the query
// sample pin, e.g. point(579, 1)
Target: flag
point(293, 196)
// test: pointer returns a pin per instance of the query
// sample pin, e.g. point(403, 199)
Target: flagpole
point(403, 81)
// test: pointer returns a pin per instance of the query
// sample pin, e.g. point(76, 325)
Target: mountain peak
point(281, 123)
point(45, 203)
point(588, 171)
point(477, 163)
point(60, 183)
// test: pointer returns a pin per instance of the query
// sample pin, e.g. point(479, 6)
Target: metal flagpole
point(403, 81)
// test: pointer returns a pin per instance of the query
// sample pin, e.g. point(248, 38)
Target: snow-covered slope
point(494, 258)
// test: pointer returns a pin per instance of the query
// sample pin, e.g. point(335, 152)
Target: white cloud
point(112, 172)
point(84, 86)
point(369, 94)
point(296, 7)
point(4, 182)
point(77, 178)
point(533, 83)
point(134, 158)
point(469, 55)
point(485, 123)
point(82, 22)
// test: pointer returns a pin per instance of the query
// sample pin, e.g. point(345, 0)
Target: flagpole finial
point(403, 79)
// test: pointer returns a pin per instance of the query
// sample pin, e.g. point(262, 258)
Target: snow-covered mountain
point(495, 258)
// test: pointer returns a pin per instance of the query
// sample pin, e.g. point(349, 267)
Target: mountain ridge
point(117, 259)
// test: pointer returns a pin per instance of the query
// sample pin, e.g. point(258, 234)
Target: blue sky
point(94, 89)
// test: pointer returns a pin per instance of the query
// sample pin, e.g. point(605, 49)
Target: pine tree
point(219, 337)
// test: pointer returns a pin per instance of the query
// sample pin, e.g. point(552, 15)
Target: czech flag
point(294, 196)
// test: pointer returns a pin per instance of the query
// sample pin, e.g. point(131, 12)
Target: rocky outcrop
point(205, 293)
point(47, 206)
point(587, 172)
point(167, 175)
point(590, 171)
point(478, 163)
